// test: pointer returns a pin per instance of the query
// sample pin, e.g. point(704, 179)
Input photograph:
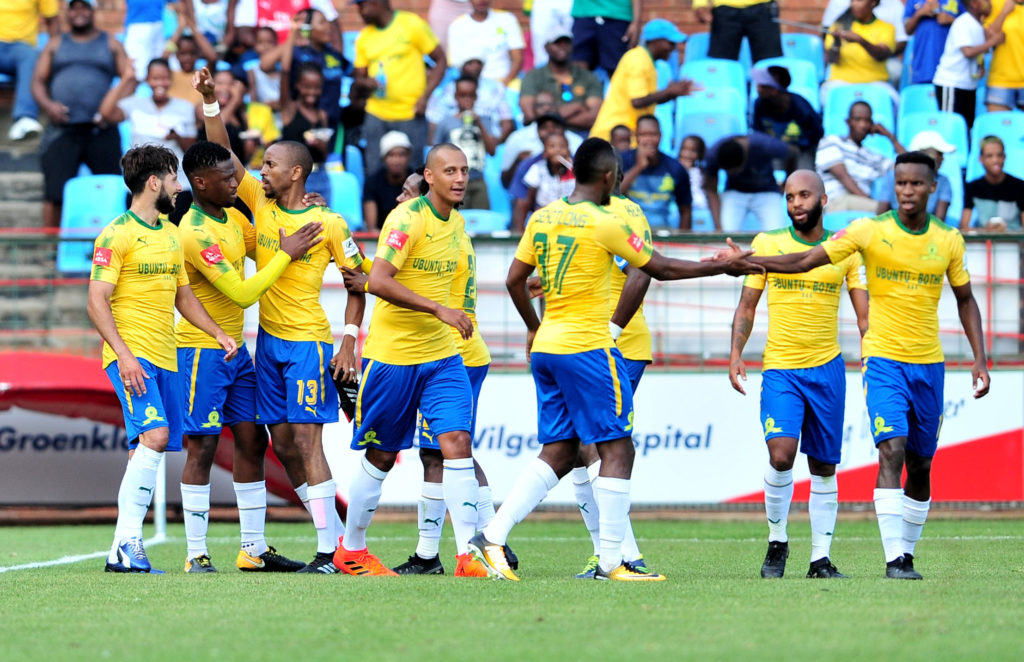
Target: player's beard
point(164, 203)
point(812, 219)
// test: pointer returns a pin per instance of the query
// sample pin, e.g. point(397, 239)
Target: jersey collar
point(435, 212)
point(222, 220)
point(144, 224)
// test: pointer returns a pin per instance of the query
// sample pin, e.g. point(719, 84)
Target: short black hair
point(157, 62)
point(781, 75)
point(730, 154)
point(859, 103)
point(917, 158)
point(268, 29)
point(297, 154)
point(702, 147)
point(308, 67)
point(550, 117)
point(593, 159)
point(141, 162)
point(467, 79)
point(648, 118)
point(203, 155)
point(621, 127)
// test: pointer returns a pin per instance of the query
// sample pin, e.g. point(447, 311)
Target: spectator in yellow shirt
point(857, 47)
point(19, 28)
point(1006, 75)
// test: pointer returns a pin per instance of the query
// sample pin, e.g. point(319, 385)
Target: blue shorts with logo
point(425, 438)
point(390, 395)
point(905, 400)
point(159, 407)
point(583, 396)
point(216, 392)
point(807, 404)
point(635, 370)
point(294, 381)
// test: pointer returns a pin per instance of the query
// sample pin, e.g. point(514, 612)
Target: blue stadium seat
point(952, 171)
point(809, 93)
point(802, 72)
point(496, 191)
point(347, 198)
point(124, 129)
point(808, 47)
point(714, 99)
point(952, 127)
point(837, 107)
point(701, 221)
point(1008, 125)
point(716, 73)
point(917, 99)
point(665, 112)
point(710, 126)
point(837, 220)
point(348, 44)
point(512, 96)
point(354, 164)
point(485, 221)
point(170, 20)
point(696, 47)
point(90, 203)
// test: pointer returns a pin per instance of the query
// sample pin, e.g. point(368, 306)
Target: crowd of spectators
point(457, 75)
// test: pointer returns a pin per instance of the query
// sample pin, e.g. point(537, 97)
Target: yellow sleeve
point(851, 239)
point(855, 276)
point(619, 239)
point(246, 292)
point(956, 272)
point(107, 256)
point(49, 8)
point(340, 243)
point(400, 232)
point(636, 80)
point(757, 281)
point(424, 38)
point(250, 190)
point(249, 237)
point(362, 60)
point(888, 35)
point(203, 252)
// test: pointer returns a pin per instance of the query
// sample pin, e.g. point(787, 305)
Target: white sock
point(484, 507)
point(462, 496)
point(134, 495)
point(613, 504)
point(914, 515)
point(302, 491)
point(321, 501)
point(195, 502)
point(530, 488)
point(339, 527)
point(431, 519)
point(252, 515)
point(630, 550)
point(585, 501)
point(889, 509)
point(822, 506)
point(778, 495)
point(363, 496)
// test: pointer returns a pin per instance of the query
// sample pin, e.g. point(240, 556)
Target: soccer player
point(803, 392)
point(216, 238)
point(295, 394)
point(138, 279)
point(578, 371)
point(907, 252)
point(410, 363)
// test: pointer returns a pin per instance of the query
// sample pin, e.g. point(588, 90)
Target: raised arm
point(382, 284)
point(737, 263)
point(793, 263)
point(216, 132)
point(970, 319)
point(742, 324)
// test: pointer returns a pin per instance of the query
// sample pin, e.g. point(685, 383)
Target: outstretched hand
point(202, 81)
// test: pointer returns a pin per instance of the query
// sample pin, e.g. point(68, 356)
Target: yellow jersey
point(425, 249)
point(1007, 66)
point(635, 340)
point(572, 245)
point(291, 308)
point(474, 351)
point(21, 19)
point(803, 309)
point(904, 277)
point(145, 264)
point(855, 64)
point(393, 57)
point(634, 77)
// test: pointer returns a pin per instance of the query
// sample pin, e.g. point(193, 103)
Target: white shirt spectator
point(490, 39)
point(549, 187)
point(150, 124)
point(954, 69)
point(212, 18)
point(491, 105)
point(863, 165)
point(527, 140)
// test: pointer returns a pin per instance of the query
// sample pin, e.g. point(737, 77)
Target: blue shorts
point(294, 381)
point(425, 439)
point(582, 396)
point(216, 392)
point(635, 370)
point(389, 396)
point(159, 407)
point(1011, 97)
point(807, 404)
point(905, 400)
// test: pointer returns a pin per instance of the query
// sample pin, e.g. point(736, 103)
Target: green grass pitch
point(714, 605)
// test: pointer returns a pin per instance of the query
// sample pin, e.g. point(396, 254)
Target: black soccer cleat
point(510, 556)
point(823, 569)
point(323, 564)
point(774, 565)
point(902, 568)
point(417, 565)
point(268, 561)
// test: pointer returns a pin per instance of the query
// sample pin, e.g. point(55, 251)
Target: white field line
point(77, 558)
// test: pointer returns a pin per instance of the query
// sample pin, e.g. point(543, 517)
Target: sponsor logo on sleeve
point(102, 256)
point(396, 239)
point(212, 255)
point(838, 235)
point(350, 247)
point(636, 242)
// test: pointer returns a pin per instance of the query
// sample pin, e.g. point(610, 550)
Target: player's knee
point(381, 460)
point(891, 453)
point(918, 466)
point(155, 439)
point(780, 459)
point(201, 451)
point(456, 444)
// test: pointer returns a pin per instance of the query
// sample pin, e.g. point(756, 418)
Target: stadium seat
point(714, 99)
point(354, 164)
point(807, 47)
point(701, 220)
point(124, 129)
point(348, 44)
point(952, 171)
point(952, 127)
point(696, 47)
point(665, 112)
point(837, 220)
point(347, 198)
point(837, 107)
point(710, 126)
point(485, 221)
point(809, 93)
point(802, 72)
point(90, 203)
point(496, 191)
point(1008, 125)
point(917, 99)
point(716, 73)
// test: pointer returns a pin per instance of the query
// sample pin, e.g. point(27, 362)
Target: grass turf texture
point(713, 606)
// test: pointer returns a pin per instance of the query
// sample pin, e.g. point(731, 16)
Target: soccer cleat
point(511, 557)
point(823, 569)
point(627, 573)
point(417, 565)
point(902, 568)
point(639, 565)
point(589, 569)
point(268, 561)
point(199, 564)
point(467, 565)
point(322, 563)
point(361, 563)
point(774, 565)
point(131, 557)
point(492, 557)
